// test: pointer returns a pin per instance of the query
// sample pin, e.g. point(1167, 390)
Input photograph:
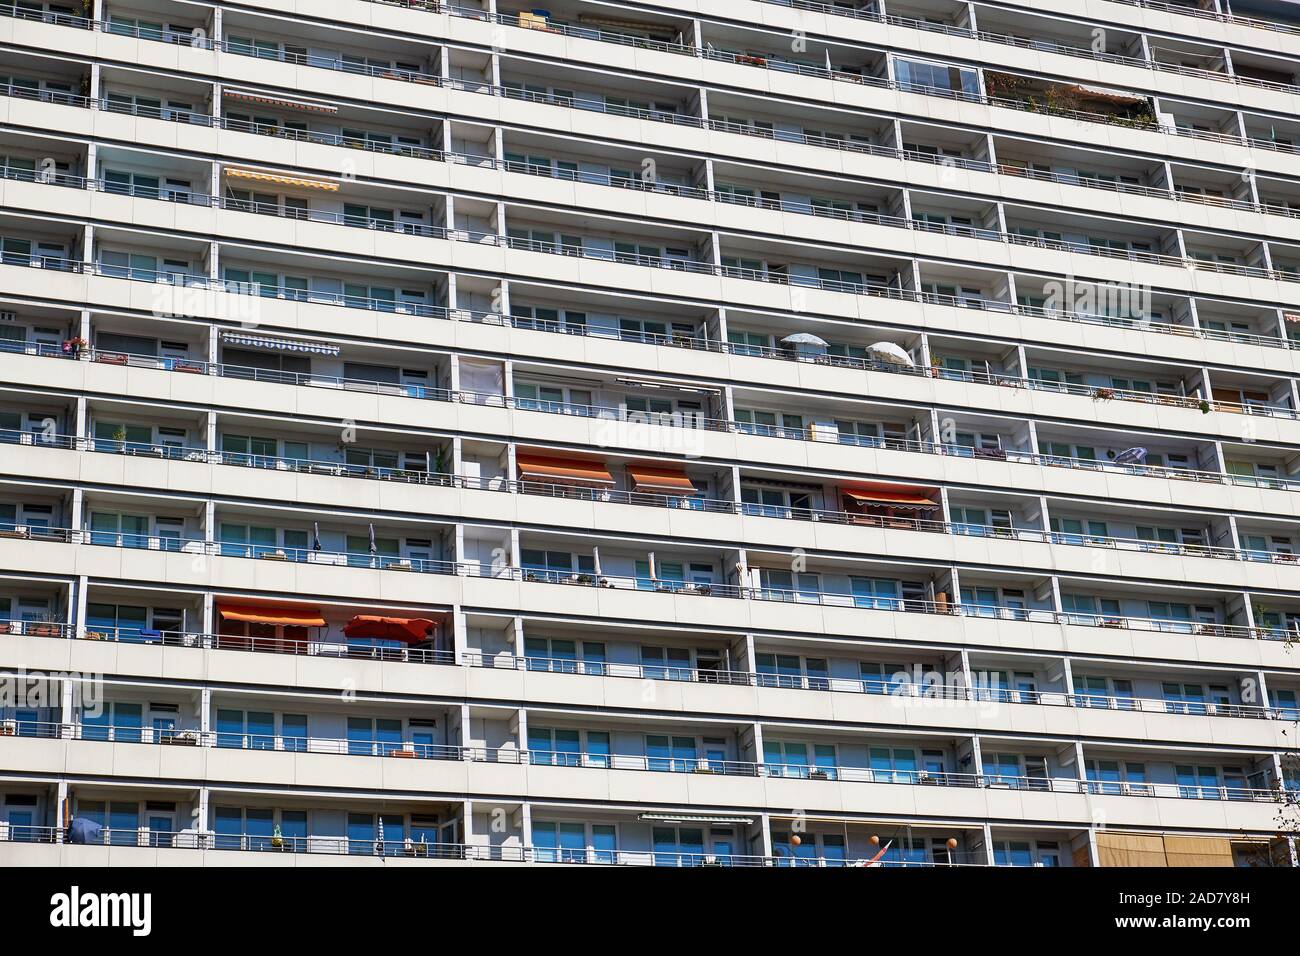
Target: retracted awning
point(272, 344)
point(321, 184)
point(412, 630)
point(258, 614)
point(306, 105)
point(661, 480)
point(897, 495)
point(1102, 93)
point(562, 470)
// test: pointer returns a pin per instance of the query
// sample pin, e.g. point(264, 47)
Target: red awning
point(412, 630)
point(271, 614)
point(564, 471)
point(900, 496)
point(660, 480)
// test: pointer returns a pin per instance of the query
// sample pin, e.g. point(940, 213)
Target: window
point(564, 656)
point(131, 184)
point(893, 764)
point(1198, 783)
point(1078, 530)
point(671, 753)
point(119, 622)
point(568, 747)
point(879, 593)
point(113, 720)
point(928, 77)
point(1085, 609)
point(378, 736)
point(666, 663)
point(775, 502)
point(557, 842)
point(553, 398)
point(781, 585)
point(1285, 702)
point(1093, 691)
point(788, 670)
point(251, 730)
point(556, 566)
point(120, 819)
point(1026, 853)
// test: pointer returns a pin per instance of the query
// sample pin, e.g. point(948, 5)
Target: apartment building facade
point(730, 432)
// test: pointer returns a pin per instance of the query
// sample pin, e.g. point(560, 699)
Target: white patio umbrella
point(891, 353)
point(804, 338)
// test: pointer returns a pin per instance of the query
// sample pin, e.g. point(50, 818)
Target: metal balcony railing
point(197, 38)
point(664, 262)
point(826, 772)
point(620, 413)
point(403, 846)
point(901, 691)
point(668, 116)
point(642, 584)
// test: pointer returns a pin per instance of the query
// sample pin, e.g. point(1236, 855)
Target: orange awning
point(412, 630)
point(566, 471)
point(897, 495)
point(662, 480)
point(287, 616)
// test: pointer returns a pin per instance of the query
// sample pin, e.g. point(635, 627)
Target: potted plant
point(73, 347)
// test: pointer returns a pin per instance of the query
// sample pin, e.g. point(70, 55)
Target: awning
point(1130, 849)
point(662, 480)
point(412, 630)
point(1198, 851)
point(562, 470)
point(897, 495)
point(650, 29)
point(305, 105)
point(251, 341)
point(322, 184)
point(694, 818)
point(1101, 93)
point(286, 616)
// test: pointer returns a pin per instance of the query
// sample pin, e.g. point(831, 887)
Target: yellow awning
point(321, 184)
point(1198, 851)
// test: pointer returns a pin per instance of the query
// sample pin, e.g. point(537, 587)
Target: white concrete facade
point(719, 432)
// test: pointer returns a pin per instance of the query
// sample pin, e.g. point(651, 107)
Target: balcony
point(1200, 785)
point(734, 266)
point(395, 467)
